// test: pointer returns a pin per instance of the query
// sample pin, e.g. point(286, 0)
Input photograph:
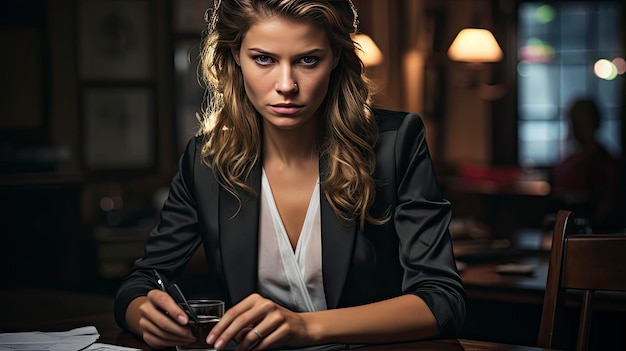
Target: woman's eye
point(309, 60)
point(263, 60)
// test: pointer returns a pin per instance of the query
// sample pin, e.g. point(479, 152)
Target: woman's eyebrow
point(268, 53)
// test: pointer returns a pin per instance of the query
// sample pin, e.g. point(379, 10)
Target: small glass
point(209, 313)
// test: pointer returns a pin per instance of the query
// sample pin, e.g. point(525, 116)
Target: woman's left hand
point(259, 323)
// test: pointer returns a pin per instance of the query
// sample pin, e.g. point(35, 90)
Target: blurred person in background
point(587, 181)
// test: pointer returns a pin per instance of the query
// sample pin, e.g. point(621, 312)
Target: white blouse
point(292, 279)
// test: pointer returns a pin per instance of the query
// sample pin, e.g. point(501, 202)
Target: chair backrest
point(586, 262)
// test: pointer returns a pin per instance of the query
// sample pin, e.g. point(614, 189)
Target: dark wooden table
point(482, 281)
point(506, 308)
point(60, 311)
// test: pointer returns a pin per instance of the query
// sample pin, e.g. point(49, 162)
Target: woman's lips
point(286, 109)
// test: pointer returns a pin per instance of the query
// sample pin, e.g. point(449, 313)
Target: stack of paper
point(72, 340)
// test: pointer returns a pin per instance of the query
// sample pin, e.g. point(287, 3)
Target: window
point(560, 43)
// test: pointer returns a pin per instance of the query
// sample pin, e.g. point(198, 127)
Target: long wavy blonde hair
point(231, 126)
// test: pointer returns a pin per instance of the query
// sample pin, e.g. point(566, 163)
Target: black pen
point(159, 280)
point(178, 296)
point(176, 293)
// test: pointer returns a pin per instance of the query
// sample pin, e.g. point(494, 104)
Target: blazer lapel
point(239, 242)
point(239, 238)
point(337, 243)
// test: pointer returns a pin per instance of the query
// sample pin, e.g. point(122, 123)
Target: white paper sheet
point(71, 340)
point(106, 347)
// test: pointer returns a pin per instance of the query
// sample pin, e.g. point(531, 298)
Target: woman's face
point(286, 68)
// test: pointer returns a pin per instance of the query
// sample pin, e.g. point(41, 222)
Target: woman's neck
point(289, 148)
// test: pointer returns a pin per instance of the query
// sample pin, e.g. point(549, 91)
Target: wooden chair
point(587, 262)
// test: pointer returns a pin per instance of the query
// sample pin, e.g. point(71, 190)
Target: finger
point(164, 302)
point(262, 335)
point(242, 334)
point(245, 314)
point(252, 339)
point(157, 315)
point(234, 313)
point(154, 335)
point(234, 329)
point(161, 324)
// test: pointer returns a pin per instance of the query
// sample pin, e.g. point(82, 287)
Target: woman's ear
point(235, 53)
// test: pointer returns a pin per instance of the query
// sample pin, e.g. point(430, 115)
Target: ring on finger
point(258, 333)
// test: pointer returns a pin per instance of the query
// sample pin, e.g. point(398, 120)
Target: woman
point(320, 217)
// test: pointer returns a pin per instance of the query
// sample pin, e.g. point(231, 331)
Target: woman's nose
point(286, 83)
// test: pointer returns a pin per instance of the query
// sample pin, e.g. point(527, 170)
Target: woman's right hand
point(162, 323)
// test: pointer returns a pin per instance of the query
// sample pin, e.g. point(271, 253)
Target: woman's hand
point(162, 322)
point(259, 323)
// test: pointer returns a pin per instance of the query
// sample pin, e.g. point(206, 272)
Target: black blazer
point(410, 254)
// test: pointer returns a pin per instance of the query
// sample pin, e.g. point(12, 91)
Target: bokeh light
point(545, 14)
point(605, 69)
point(620, 64)
point(523, 69)
point(536, 51)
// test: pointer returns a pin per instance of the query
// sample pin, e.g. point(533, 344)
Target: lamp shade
point(367, 50)
point(475, 45)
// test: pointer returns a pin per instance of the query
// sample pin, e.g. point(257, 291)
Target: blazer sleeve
point(421, 220)
point(171, 243)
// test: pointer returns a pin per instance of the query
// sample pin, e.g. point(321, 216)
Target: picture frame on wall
point(118, 128)
point(115, 39)
point(23, 76)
